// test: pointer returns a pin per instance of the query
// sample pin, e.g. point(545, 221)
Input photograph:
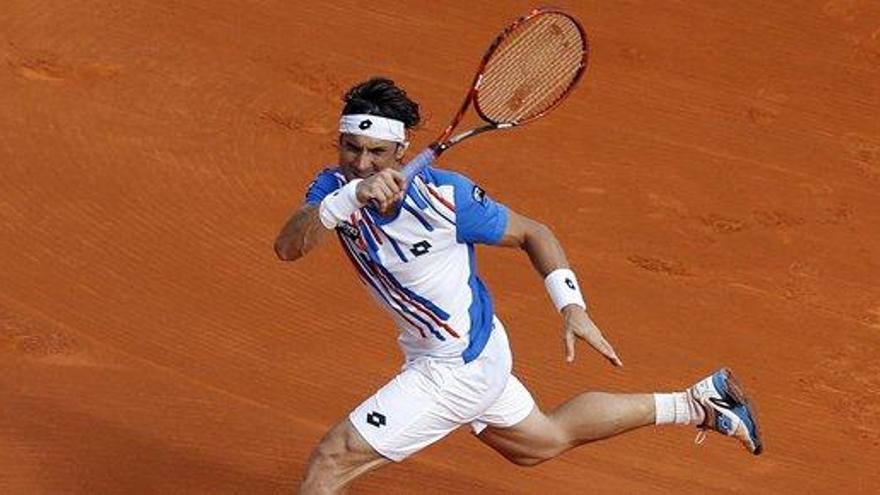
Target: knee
point(326, 466)
point(327, 456)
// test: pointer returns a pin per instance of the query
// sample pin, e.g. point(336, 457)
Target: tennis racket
point(530, 68)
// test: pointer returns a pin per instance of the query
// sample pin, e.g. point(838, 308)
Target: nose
point(363, 162)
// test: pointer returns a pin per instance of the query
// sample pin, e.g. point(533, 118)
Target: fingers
point(597, 340)
point(606, 350)
point(384, 193)
point(394, 180)
point(387, 208)
point(398, 178)
point(568, 342)
point(588, 331)
point(385, 188)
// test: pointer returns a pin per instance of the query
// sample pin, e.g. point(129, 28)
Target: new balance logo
point(420, 248)
point(721, 403)
point(376, 419)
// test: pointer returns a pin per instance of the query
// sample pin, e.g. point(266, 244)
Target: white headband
point(373, 126)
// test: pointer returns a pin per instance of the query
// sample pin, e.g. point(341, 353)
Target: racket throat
point(439, 148)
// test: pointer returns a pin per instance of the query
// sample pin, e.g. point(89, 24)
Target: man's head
point(373, 127)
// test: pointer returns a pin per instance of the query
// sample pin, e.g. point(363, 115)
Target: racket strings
point(532, 73)
point(537, 63)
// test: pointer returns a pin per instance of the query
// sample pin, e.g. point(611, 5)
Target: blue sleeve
point(479, 219)
point(325, 183)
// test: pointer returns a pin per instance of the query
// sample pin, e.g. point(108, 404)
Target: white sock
point(677, 408)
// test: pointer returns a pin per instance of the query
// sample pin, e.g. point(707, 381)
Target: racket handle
point(418, 163)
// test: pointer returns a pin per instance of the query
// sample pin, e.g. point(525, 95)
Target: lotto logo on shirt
point(479, 194)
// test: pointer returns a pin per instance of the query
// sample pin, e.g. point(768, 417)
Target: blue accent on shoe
point(719, 380)
point(742, 411)
point(723, 424)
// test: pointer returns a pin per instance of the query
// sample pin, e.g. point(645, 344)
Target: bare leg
point(341, 457)
point(585, 418)
point(596, 415)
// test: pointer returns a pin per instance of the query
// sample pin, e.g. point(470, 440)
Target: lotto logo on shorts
point(376, 419)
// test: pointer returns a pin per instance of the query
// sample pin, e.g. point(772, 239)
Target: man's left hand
point(579, 324)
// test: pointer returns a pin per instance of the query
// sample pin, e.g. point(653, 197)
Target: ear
point(401, 150)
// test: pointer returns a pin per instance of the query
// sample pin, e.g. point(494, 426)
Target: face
point(362, 156)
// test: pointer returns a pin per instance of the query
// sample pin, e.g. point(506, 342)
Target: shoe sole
point(736, 392)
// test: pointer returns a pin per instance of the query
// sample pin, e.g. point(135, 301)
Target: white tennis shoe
point(728, 410)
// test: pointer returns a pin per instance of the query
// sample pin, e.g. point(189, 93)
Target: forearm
point(302, 232)
point(544, 250)
point(549, 260)
point(561, 283)
point(547, 257)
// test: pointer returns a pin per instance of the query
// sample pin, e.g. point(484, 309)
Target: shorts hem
point(394, 457)
point(477, 427)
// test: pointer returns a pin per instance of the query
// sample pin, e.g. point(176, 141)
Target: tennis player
point(412, 246)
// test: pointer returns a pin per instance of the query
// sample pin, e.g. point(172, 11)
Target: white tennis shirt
point(420, 264)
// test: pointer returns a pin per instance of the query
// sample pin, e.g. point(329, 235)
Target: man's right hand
point(385, 188)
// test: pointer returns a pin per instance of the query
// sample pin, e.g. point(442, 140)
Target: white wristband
point(563, 288)
point(338, 206)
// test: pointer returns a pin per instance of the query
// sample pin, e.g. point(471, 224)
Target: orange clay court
point(715, 180)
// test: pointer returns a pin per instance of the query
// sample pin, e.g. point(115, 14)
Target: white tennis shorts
point(429, 399)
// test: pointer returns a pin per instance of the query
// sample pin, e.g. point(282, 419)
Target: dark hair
point(380, 96)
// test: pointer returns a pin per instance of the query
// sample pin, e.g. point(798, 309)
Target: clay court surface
point(715, 180)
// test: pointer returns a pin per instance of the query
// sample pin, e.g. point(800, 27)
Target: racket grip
point(418, 163)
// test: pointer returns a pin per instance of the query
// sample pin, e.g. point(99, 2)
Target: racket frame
point(445, 141)
point(427, 156)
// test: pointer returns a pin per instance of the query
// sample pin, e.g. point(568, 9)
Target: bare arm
point(537, 240)
point(302, 232)
point(546, 254)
